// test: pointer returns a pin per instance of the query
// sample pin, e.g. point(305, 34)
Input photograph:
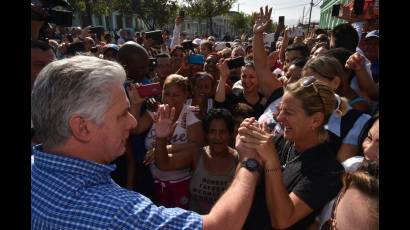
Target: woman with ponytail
point(345, 124)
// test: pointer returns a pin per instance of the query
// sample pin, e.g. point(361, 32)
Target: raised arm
point(284, 45)
point(176, 40)
point(164, 127)
point(220, 94)
point(267, 81)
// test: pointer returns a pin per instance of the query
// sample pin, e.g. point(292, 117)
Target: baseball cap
point(373, 34)
point(197, 41)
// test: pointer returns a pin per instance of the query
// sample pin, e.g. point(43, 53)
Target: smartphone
point(197, 59)
point(150, 90)
point(236, 62)
point(156, 35)
point(281, 20)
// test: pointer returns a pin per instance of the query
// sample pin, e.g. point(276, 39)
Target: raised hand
point(355, 62)
point(223, 69)
point(164, 124)
point(263, 20)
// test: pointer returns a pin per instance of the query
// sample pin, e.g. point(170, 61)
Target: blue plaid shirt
point(70, 193)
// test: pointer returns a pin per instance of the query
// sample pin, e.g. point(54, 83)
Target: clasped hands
point(254, 140)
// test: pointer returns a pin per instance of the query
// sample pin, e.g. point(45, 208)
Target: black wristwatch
point(251, 165)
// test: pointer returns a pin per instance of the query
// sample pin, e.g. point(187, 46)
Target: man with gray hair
point(81, 112)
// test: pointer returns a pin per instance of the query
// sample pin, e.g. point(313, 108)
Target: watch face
point(252, 164)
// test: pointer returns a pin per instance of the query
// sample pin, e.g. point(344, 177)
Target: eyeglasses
point(310, 81)
point(331, 223)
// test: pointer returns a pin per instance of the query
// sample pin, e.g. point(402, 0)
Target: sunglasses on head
point(310, 81)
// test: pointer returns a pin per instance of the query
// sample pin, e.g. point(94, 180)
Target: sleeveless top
point(206, 187)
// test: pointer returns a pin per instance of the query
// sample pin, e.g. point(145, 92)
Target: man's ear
point(317, 120)
point(80, 128)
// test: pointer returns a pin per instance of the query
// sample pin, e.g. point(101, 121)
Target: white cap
point(196, 41)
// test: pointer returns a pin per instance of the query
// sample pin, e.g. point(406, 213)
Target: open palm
point(164, 124)
point(262, 20)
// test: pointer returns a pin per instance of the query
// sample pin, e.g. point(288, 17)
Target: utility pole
point(310, 14)
point(303, 15)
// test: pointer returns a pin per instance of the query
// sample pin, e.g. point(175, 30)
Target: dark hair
point(365, 130)
point(302, 48)
point(218, 114)
point(202, 75)
point(320, 31)
point(38, 44)
point(242, 110)
point(299, 62)
point(177, 47)
point(344, 35)
point(341, 54)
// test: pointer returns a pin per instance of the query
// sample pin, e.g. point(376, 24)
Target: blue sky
point(291, 9)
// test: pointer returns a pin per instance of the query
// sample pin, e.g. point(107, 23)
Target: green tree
point(238, 21)
point(157, 13)
point(207, 9)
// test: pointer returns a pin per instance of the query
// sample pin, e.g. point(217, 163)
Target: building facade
point(114, 22)
point(327, 21)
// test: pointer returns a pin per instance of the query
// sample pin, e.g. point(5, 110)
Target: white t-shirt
point(180, 136)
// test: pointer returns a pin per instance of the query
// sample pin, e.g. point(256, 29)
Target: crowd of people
point(242, 135)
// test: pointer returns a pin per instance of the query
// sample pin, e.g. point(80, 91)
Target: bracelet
point(273, 170)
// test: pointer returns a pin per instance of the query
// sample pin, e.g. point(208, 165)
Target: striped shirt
point(70, 193)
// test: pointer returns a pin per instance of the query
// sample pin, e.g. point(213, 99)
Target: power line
point(292, 6)
point(317, 3)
